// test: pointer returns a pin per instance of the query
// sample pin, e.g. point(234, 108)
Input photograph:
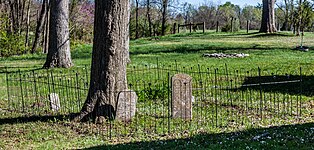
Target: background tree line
point(147, 15)
point(24, 24)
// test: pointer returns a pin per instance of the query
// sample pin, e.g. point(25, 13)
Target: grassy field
point(272, 53)
point(63, 135)
point(266, 51)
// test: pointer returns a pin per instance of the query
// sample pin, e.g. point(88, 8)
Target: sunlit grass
point(272, 53)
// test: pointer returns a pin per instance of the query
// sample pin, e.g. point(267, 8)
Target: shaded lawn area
point(288, 84)
point(56, 132)
point(300, 136)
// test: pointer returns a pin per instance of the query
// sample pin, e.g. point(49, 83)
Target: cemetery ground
point(272, 53)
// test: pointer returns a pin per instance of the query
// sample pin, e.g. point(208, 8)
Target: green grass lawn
point(272, 53)
point(266, 51)
point(66, 135)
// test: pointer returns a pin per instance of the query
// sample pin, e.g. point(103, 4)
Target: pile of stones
point(222, 55)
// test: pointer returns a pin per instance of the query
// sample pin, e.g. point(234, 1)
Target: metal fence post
point(247, 26)
point(174, 28)
point(77, 87)
point(21, 89)
point(8, 89)
point(169, 102)
point(86, 74)
point(260, 92)
point(301, 90)
point(216, 99)
point(35, 88)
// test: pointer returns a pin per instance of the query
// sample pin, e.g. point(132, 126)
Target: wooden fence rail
point(190, 26)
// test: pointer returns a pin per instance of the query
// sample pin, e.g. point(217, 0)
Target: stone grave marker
point(54, 101)
point(182, 96)
point(126, 107)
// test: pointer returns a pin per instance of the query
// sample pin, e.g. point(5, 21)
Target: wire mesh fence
point(214, 98)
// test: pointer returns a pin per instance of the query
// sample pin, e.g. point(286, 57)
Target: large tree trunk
point(13, 15)
point(286, 24)
point(299, 19)
point(46, 31)
point(6, 12)
point(59, 39)
point(268, 17)
point(292, 15)
point(40, 25)
point(136, 19)
point(164, 16)
point(109, 59)
point(149, 18)
point(16, 15)
point(22, 11)
point(27, 24)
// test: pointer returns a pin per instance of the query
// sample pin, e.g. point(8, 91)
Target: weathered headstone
point(182, 96)
point(126, 107)
point(54, 101)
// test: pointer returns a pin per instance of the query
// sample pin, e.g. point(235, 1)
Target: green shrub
point(11, 44)
point(227, 27)
point(153, 93)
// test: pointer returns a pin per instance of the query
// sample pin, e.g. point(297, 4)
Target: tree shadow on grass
point(187, 49)
point(19, 70)
point(45, 118)
point(286, 84)
point(105, 111)
point(281, 137)
point(226, 34)
point(262, 35)
point(22, 57)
